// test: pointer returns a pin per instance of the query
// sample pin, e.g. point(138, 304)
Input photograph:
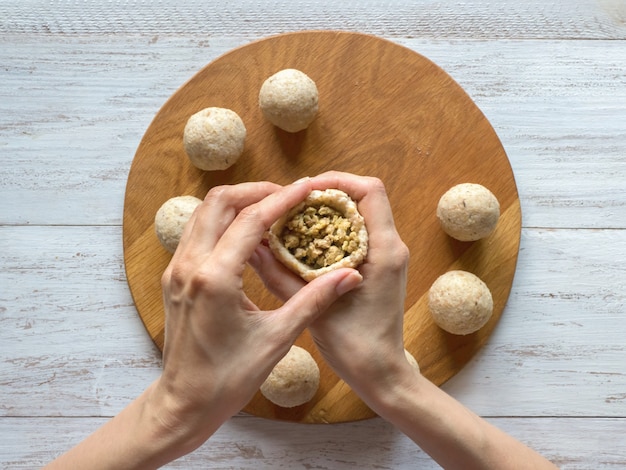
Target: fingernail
point(302, 180)
point(349, 282)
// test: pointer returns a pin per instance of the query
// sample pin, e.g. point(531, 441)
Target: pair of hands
point(220, 347)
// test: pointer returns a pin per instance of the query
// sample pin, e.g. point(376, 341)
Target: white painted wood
point(72, 340)
point(81, 81)
point(589, 19)
point(253, 443)
point(71, 333)
point(71, 119)
point(559, 348)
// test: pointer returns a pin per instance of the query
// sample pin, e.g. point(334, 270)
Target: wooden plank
point(73, 344)
point(70, 332)
point(603, 19)
point(71, 119)
point(253, 443)
point(419, 132)
point(561, 338)
point(80, 83)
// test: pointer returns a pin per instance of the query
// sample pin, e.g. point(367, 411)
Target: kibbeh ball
point(468, 212)
point(214, 138)
point(294, 380)
point(460, 302)
point(171, 218)
point(289, 100)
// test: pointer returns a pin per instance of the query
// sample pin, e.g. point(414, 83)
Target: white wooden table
point(81, 81)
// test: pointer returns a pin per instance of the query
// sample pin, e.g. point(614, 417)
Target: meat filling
point(319, 236)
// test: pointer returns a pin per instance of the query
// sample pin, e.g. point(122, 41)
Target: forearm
point(450, 433)
point(142, 436)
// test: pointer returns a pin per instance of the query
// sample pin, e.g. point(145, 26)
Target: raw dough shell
point(460, 302)
point(294, 380)
point(333, 198)
point(214, 138)
point(171, 218)
point(289, 100)
point(468, 212)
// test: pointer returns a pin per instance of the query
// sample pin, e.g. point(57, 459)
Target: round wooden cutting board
point(385, 111)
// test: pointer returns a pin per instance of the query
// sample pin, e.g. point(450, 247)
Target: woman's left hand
point(219, 346)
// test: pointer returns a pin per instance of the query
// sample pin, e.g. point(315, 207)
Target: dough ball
point(322, 233)
point(412, 360)
point(468, 212)
point(294, 380)
point(214, 138)
point(289, 100)
point(171, 218)
point(460, 302)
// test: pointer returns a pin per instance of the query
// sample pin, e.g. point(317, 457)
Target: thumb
point(316, 297)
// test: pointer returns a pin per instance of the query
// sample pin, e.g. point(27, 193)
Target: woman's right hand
point(360, 335)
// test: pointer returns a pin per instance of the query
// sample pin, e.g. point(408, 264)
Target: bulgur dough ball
point(289, 100)
point(322, 233)
point(214, 138)
point(294, 380)
point(171, 218)
point(411, 359)
point(468, 212)
point(460, 302)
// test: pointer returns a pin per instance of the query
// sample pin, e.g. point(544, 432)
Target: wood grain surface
point(385, 111)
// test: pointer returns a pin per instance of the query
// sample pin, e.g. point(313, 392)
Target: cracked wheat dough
point(289, 100)
point(468, 212)
point(214, 138)
point(460, 302)
point(322, 233)
point(171, 218)
point(294, 380)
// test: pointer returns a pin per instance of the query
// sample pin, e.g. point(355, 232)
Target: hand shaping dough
point(171, 218)
point(322, 233)
point(460, 302)
point(289, 100)
point(294, 380)
point(468, 212)
point(214, 138)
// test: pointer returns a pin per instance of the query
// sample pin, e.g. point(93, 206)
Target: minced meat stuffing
point(319, 236)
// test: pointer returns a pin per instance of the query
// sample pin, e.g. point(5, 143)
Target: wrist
point(395, 393)
point(160, 430)
point(148, 433)
point(179, 424)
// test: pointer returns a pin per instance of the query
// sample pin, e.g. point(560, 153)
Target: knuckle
point(166, 277)
point(401, 255)
point(398, 254)
point(402, 252)
point(203, 282)
point(375, 183)
point(373, 187)
point(250, 214)
point(217, 193)
point(191, 283)
point(331, 173)
point(173, 276)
